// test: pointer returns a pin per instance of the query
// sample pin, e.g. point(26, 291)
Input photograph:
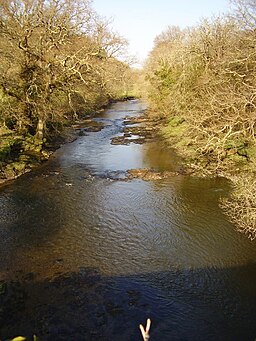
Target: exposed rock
point(88, 125)
point(134, 120)
point(149, 174)
point(81, 132)
point(138, 134)
point(120, 140)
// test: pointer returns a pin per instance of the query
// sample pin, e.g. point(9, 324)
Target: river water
point(88, 255)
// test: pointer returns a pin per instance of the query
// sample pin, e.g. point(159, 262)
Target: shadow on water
point(30, 220)
point(84, 305)
point(27, 210)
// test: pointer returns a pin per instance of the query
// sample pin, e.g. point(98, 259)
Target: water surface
point(87, 256)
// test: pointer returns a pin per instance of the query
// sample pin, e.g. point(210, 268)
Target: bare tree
point(245, 13)
point(203, 81)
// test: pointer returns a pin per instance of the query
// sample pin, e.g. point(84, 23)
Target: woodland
point(201, 81)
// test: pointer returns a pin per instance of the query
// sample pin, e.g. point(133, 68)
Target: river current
point(87, 255)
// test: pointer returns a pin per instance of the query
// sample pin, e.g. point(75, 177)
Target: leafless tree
point(203, 81)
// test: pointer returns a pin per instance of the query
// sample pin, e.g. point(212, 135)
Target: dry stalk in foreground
point(145, 332)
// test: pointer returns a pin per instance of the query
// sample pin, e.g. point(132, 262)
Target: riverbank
point(236, 162)
point(22, 154)
point(233, 159)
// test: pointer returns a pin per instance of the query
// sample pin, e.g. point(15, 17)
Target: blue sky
point(141, 20)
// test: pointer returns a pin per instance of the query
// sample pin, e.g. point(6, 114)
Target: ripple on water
point(158, 248)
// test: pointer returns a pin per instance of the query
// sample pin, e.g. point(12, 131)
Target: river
point(89, 255)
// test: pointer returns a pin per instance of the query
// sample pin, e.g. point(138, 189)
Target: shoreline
point(238, 168)
point(25, 161)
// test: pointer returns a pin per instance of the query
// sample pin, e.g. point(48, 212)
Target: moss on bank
point(19, 154)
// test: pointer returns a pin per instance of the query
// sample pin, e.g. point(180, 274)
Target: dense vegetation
point(58, 61)
point(202, 81)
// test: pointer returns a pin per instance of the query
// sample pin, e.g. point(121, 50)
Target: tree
point(245, 13)
point(51, 52)
point(203, 81)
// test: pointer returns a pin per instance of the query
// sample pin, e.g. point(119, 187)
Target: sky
point(140, 21)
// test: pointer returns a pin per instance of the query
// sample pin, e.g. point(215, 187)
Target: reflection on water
point(166, 240)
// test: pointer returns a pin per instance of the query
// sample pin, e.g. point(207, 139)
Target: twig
point(145, 332)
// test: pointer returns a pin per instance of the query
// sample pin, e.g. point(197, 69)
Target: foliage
point(241, 206)
point(207, 77)
point(58, 59)
point(203, 81)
